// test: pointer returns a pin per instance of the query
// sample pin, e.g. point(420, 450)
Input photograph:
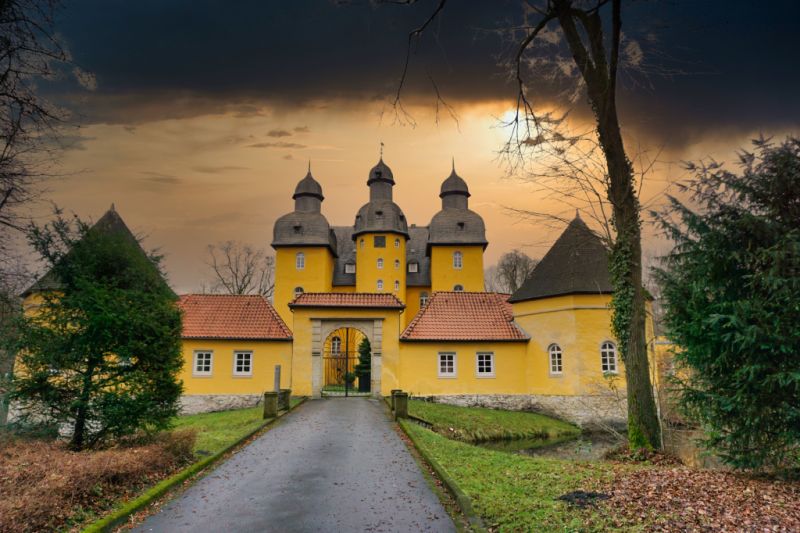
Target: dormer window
point(461, 226)
point(298, 229)
point(379, 214)
point(350, 268)
point(413, 267)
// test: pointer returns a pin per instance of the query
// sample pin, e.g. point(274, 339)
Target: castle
point(417, 294)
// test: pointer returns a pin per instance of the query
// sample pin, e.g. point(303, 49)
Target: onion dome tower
point(305, 248)
point(306, 225)
point(380, 233)
point(380, 214)
point(456, 240)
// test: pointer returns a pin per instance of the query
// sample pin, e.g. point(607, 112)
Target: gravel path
point(330, 465)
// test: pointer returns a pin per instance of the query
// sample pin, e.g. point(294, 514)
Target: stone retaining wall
point(208, 403)
point(587, 411)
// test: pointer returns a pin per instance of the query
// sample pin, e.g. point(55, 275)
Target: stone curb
point(119, 516)
point(462, 500)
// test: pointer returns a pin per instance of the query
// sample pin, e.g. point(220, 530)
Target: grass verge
point(476, 424)
point(517, 493)
point(213, 432)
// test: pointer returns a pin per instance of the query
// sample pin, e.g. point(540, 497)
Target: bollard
point(283, 399)
point(395, 391)
point(270, 404)
point(400, 405)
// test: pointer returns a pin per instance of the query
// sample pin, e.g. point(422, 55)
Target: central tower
point(380, 233)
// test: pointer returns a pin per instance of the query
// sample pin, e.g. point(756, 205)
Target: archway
point(339, 359)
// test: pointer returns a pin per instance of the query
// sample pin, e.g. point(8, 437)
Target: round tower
point(380, 235)
point(305, 247)
point(456, 240)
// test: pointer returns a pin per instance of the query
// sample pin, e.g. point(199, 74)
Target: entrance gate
point(340, 357)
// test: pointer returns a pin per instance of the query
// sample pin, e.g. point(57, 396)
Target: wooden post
point(283, 399)
point(277, 386)
point(270, 404)
point(400, 405)
point(395, 391)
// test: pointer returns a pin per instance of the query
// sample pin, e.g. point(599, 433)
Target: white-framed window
point(242, 363)
point(298, 291)
point(396, 285)
point(556, 361)
point(423, 299)
point(413, 267)
point(458, 288)
point(361, 243)
point(396, 264)
point(447, 364)
point(349, 268)
point(380, 284)
point(484, 364)
point(300, 261)
point(380, 263)
point(458, 260)
point(203, 363)
point(336, 346)
point(608, 357)
point(397, 243)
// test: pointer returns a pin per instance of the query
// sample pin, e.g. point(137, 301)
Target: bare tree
point(511, 271)
point(241, 269)
point(29, 52)
point(582, 41)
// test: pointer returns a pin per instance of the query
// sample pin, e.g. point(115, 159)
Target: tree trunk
point(82, 412)
point(628, 302)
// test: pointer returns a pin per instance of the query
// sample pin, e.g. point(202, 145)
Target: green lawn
point(475, 424)
point(517, 493)
point(217, 430)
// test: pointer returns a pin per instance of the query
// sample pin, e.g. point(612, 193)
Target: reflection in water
point(586, 447)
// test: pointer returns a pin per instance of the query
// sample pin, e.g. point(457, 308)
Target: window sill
point(242, 376)
point(202, 376)
point(447, 377)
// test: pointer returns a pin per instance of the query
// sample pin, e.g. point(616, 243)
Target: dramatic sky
point(198, 117)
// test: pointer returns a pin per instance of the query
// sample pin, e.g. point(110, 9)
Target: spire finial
point(577, 213)
point(113, 208)
point(454, 164)
point(309, 166)
point(381, 150)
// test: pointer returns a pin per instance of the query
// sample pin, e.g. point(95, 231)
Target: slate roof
point(111, 222)
point(370, 300)
point(457, 226)
point(346, 253)
point(308, 186)
point(415, 253)
point(576, 264)
point(231, 316)
point(465, 316)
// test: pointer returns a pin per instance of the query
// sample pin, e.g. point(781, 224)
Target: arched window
point(361, 243)
point(556, 364)
point(608, 357)
point(300, 260)
point(397, 243)
point(423, 299)
point(380, 262)
point(458, 260)
point(298, 291)
point(336, 346)
point(458, 288)
point(396, 264)
point(396, 285)
point(380, 284)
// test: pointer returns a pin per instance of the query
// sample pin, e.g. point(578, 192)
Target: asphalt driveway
point(330, 465)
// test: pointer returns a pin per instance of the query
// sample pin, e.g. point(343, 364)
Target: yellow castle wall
point(317, 276)
point(367, 271)
point(444, 277)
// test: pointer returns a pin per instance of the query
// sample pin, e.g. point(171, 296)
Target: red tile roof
point(231, 316)
point(465, 316)
point(372, 300)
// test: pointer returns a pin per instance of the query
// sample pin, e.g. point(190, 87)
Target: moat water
point(584, 447)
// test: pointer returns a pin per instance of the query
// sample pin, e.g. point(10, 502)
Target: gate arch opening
point(340, 357)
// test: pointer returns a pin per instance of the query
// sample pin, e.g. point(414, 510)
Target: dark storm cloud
point(720, 65)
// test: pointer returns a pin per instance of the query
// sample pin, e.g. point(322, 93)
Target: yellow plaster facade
point(222, 377)
point(381, 263)
point(448, 271)
point(316, 275)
